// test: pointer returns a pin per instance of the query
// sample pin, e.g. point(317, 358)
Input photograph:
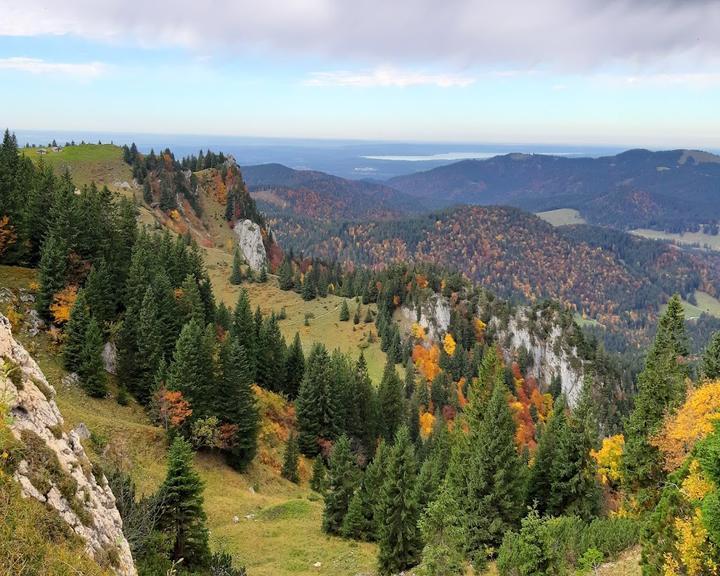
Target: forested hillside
point(617, 279)
point(674, 190)
point(312, 194)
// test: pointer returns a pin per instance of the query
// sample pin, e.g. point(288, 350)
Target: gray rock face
point(35, 412)
point(249, 239)
point(434, 316)
point(109, 356)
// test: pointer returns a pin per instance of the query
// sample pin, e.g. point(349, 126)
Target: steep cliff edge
point(54, 468)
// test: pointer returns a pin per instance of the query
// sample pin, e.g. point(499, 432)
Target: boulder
point(250, 242)
point(109, 356)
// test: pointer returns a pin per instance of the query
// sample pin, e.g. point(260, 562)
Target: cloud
point(387, 77)
point(38, 66)
point(571, 35)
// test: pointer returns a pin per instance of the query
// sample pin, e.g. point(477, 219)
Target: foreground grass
point(278, 528)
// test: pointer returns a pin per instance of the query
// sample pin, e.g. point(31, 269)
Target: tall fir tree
point(52, 272)
point(661, 389)
point(342, 482)
point(711, 358)
point(344, 312)
point(285, 275)
point(318, 480)
point(75, 330)
point(183, 516)
point(391, 403)
point(90, 367)
point(237, 405)
point(99, 292)
point(399, 536)
point(290, 460)
point(294, 368)
point(236, 275)
point(243, 328)
point(191, 370)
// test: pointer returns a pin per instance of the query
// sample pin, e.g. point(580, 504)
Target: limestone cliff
point(55, 468)
point(250, 242)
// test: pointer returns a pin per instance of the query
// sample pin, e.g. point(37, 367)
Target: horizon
point(624, 75)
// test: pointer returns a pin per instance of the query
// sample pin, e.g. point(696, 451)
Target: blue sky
point(635, 73)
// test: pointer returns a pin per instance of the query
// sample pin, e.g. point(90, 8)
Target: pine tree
point(344, 312)
point(99, 293)
point(290, 460)
point(390, 401)
point(190, 301)
point(294, 368)
point(151, 344)
point(711, 358)
point(237, 405)
point(356, 316)
point(90, 367)
point(236, 275)
point(52, 272)
point(75, 331)
point(661, 388)
point(398, 513)
point(363, 411)
point(309, 291)
point(183, 517)
point(191, 369)
point(316, 405)
point(285, 274)
point(318, 480)
point(263, 276)
point(243, 328)
point(444, 536)
point(342, 482)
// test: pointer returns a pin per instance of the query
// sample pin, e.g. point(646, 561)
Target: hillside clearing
point(562, 217)
point(700, 239)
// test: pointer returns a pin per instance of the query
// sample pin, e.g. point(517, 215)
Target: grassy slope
point(562, 217)
point(701, 239)
point(283, 538)
point(102, 164)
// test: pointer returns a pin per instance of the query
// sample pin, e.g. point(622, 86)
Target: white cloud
point(37, 66)
point(567, 35)
point(385, 76)
point(697, 80)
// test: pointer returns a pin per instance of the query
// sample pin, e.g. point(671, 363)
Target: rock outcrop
point(55, 468)
point(434, 316)
point(250, 242)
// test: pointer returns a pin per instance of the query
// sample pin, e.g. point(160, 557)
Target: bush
point(555, 545)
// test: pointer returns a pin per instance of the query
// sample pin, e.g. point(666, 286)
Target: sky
point(609, 72)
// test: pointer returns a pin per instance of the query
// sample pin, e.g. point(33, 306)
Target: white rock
point(317, 565)
point(32, 411)
point(249, 239)
point(235, 519)
point(109, 356)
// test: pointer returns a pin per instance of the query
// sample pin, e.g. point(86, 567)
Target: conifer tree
point(444, 536)
point(236, 275)
point(90, 367)
point(294, 368)
point(263, 276)
point(398, 513)
point(190, 302)
point(318, 480)
point(52, 272)
point(711, 358)
point(285, 275)
point(99, 293)
point(317, 404)
point(390, 401)
point(290, 460)
point(356, 316)
point(151, 342)
point(183, 517)
point(363, 411)
point(75, 330)
point(342, 482)
point(309, 291)
point(243, 328)
point(661, 388)
point(344, 312)
point(191, 369)
point(237, 405)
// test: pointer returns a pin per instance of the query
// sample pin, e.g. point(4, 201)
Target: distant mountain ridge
point(671, 190)
point(314, 194)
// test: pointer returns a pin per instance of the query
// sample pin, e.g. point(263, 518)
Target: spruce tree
point(237, 405)
point(342, 482)
point(243, 328)
point(191, 370)
point(356, 316)
point(90, 367)
point(52, 272)
point(263, 276)
point(318, 480)
point(290, 460)
point(344, 312)
point(99, 292)
point(309, 291)
point(236, 275)
point(150, 341)
point(661, 388)
point(711, 358)
point(391, 404)
point(443, 534)
point(294, 368)
point(75, 330)
point(398, 512)
point(285, 275)
point(183, 517)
